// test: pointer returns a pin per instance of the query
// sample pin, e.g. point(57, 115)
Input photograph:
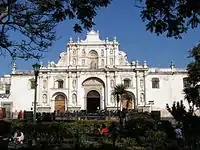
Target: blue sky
point(121, 19)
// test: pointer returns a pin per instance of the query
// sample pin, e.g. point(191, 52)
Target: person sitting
point(18, 137)
point(104, 131)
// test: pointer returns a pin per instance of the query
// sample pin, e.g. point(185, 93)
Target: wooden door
point(60, 103)
point(8, 110)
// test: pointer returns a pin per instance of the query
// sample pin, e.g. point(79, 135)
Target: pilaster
point(137, 87)
point(107, 89)
point(78, 87)
point(144, 78)
point(69, 91)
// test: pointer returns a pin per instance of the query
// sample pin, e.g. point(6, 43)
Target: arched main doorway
point(60, 103)
point(93, 101)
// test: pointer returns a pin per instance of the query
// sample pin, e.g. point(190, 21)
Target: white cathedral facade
point(84, 77)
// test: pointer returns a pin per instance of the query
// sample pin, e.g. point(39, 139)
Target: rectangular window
point(127, 83)
point(60, 84)
point(7, 89)
point(155, 83)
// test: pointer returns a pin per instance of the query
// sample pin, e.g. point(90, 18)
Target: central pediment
point(92, 36)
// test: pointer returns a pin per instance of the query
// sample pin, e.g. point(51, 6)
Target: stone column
point(47, 91)
point(137, 88)
point(78, 86)
point(107, 89)
point(107, 58)
point(69, 51)
point(115, 53)
point(50, 83)
point(144, 78)
point(107, 61)
point(39, 89)
point(69, 88)
point(105, 101)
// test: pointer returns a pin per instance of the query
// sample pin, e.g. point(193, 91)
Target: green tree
point(172, 17)
point(192, 91)
point(34, 22)
point(178, 111)
point(188, 118)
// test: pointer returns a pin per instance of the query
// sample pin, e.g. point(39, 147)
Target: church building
point(84, 78)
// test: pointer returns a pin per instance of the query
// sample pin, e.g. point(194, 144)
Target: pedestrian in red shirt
point(104, 131)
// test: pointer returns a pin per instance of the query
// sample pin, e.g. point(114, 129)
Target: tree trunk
point(117, 102)
point(134, 102)
point(120, 106)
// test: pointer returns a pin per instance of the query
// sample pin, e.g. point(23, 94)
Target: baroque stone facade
point(85, 75)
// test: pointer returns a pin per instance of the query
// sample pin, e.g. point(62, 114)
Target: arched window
point(155, 83)
point(93, 59)
point(60, 98)
point(60, 84)
point(127, 83)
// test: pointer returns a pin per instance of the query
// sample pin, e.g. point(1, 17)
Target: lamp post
point(36, 68)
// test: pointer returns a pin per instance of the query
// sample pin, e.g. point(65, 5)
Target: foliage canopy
point(33, 22)
point(173, 17)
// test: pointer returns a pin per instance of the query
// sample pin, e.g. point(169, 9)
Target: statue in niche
point(74, 99)
point(74, 84)
point(102, 62)
point(93, 65)
point(44, 98)
point(111, 61)
point(83, 52)
point(111, 51)
point(112, 83)
point(74, 52)
point(44, 84)
point(102, 52)
point(142, 98)
point(74, 61)
point(83, 62)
